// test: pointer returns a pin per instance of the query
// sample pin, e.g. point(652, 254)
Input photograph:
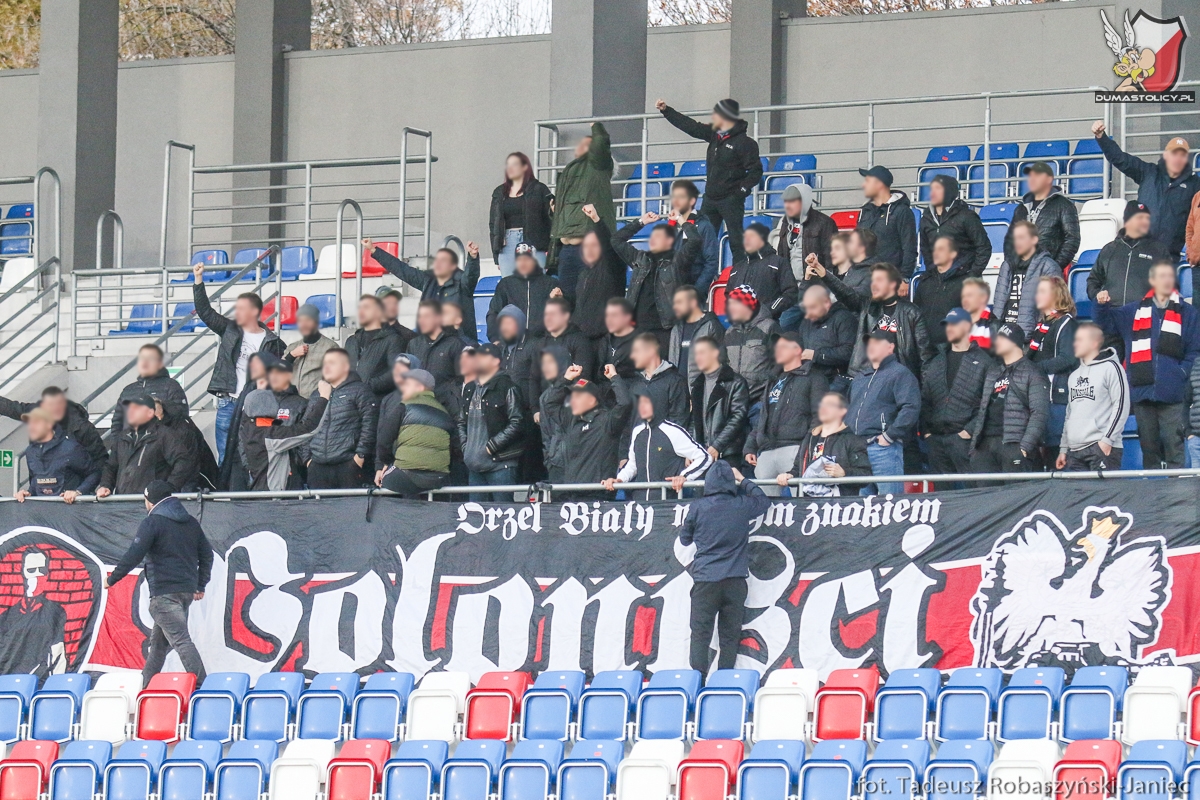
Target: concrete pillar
point(756, 55)
point(77, 119)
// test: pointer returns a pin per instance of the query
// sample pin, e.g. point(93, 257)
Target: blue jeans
point(885, 461)
point(789, 320)
point(1054, 427)
point(508, 256)
point(570, 264)
point(225, 408)
point(1193, 452)
point(506, 475)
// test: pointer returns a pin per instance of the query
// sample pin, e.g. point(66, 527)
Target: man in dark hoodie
point(939, 288)
point(890, 217)
point(949, 215)
point(1122, 268)
point(443, 282)
point(733, 166)
point(561, 332)
point(764, 270)
point(601, 278)
point(179, 563)
point(662, 379)
point(344, 441)
point(517, 354)
point(492, 427)
point(657, 273)
point(58, 466)
point(589, 431)
point(272, 431)
point(615, 348)
point(827, 331)
point(373, 348)
point(692, 322)
point(1055, 216)
point(528, 288)
point(71, 417)
point(436, 348)
point(718, 524)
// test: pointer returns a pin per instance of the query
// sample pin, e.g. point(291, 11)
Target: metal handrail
point(358, 276)
point(118, 239)
point(166, 202)
point(52, 267)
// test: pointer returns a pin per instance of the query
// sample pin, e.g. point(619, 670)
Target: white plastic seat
point(1024, 770)
point(15, 271)
point(1155, 704)
point(649, 771)
point(1099, 221)
point(327, 260)
point(782, 706)
point(300, 773)
point(106, 710)
point(436, 706)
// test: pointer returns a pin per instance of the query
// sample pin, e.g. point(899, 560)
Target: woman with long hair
point(521, 210)
point(1052, 349)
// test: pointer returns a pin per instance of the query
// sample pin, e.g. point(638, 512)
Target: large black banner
point(1054, 572)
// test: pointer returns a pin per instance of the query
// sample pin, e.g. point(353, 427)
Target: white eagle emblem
point(1044, 586)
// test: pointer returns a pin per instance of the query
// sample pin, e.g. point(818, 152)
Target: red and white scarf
point(1038, 337)
point(1170, 337)
point(981, 331)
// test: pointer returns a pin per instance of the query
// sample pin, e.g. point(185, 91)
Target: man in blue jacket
point(58, 466)
point(885, 406)
point(718, 524)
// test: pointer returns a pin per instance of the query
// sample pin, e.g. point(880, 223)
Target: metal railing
point(31, 329)
point(1145, 131)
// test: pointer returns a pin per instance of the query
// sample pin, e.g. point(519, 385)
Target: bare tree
point(152, 29)
point(363, 23)
point(689, 12)
point(19, 33)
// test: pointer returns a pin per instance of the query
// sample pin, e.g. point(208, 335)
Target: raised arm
point(600, 150)
point(1132, 166)
point(693, 128)
point(215, 320)
point(416, 278)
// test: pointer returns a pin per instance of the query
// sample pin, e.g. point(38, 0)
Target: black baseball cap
point(882, 335)
point(584, 385)
point(489, 349)
point(878, 171)
point(140, 398)
point(1038, 166)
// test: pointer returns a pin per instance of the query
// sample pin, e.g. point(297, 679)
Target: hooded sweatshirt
point(178, 557)
point(718, 524)
point(895, 225)
point(961, 223)
point(517, 360)
point(661, 449)
point(1097, 404)
point(528, 293)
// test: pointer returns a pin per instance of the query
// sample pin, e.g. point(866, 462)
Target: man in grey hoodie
point(1097, 405)
point(1016, 285)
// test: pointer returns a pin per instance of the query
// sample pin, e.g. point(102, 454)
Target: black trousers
point(412, 482)
point(949, 453)
point(345, 475)
point(729, 210)
point(993, 455)
point(1092, 458)
point(722, 603)
point(1160, 431)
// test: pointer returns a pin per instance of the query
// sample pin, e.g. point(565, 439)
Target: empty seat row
point(293, 262)
point(1006, 167)
point(146, 318)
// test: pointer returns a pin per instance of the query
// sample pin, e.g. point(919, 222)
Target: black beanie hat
point(729, 109)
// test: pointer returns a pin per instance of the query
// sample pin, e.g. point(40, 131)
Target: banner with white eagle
point(1057, 572)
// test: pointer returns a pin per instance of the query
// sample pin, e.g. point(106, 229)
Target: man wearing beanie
point(412, 447)
point(178, 562)
point(763, 269)
point(1121, 273)
point(802, 230)
point(528, 289)
point(949, 215)
point(750, 339)
point(1013, 409)
point(306, 355)
point(733, 166)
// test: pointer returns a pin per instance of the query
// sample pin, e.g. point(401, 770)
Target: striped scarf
point(1037, 338)
point(981, 331)
point(1170, 337)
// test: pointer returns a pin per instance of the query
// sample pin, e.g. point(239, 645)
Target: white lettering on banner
point(470, 618)
point(507, 520)
point(608, 642)
point(412, 607)
point(818, 650)
point(366, 599)
point(681, 512)
point(773, 626)
point(778, 515)
point(567, 604)
point(581, 518)
point(868, 513)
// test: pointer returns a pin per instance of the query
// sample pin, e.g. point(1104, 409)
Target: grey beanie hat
point(261, 403)
point(424, 376)
point(310, 311)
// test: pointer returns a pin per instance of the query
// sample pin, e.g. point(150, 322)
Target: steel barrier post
point(358, 216)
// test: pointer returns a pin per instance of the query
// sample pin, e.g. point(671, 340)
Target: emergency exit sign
point(6, 459)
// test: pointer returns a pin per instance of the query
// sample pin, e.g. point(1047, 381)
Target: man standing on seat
point(1055, 216)
point(733, 166)
point(890, 217)
point(178, 565)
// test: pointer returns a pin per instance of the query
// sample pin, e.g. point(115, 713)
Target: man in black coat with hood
point(890, 217)
point(528, 289)
point(373, 347)
point(769, 275)
point(733, 166)
point(949, 215)
point(147, 450)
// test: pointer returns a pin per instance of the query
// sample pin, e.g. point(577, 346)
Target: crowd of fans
point(604, 366)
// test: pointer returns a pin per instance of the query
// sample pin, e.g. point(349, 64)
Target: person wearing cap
point(390, 297)
point(586, 180)
point(306, 355)
point(827, 331)
point(412, 448)
point(344, 441)
point(1166, 188)
point(616, 346)
point(1014, 407)
point(528, 289)
point(72, 417)
point(435, 348)
point(802, 230)
point(493, 426)
point(1097, 406)
point(1052, 350)
point(272, 432)
point(58, 466)
point(692, 322)
point(1161, 336)
point(590, 429)
point(443, 282)
point(789, 406)
point(1017, 282)
point(1054, 214)
point(885, 408)
point(659, 450)
point(178, 559)
point(147, 450)
point(601, 279)
point(521, 210)
point(561, 332)
point(733, 169)
point(764, 269)
point(949, 215)
point(940, 288)
point(886, 308)
point(1121, 273)
point(373, 348)
point(704, 270)
point(749, 343)
point(720, 403)
point(889, 215)
point(951, 386)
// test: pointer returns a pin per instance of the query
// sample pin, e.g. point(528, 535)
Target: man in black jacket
point(390, 297)
point(561, 332)
point(615, 348)
point(591, 432)
point(528, 289)
point(662, 380)
point(886, 309)
point(443, 282)
point(890, 217)
point(436, 348)
point(72, 417)
point(763, 269)
point(1055, 216)
point(720, 403)
point(601, 278)
point(147, 450)
point(179, 563)
point(1014, 408)
point(345, 439)
point(950, 392)
point(827, 332)
point(1122, 266)
point(692, 322)
point(656, 273)
point(58, 466)
point(516, 353)
point(373, 348)
point(949, 215)
point(733, 166)
point(940, 286)
point(492, 426)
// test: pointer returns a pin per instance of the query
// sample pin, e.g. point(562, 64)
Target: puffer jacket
point(749, 350)
point(709, 326)
point(896, 227)
point(163, 388)
point(60, 465)
point(1026, 408)
point(1057, 222)
point(914, 347)
point(771, 278)
point(1169, 199)
point(656, 276)
point(1122, 268)
point(961, 223)
point(1055, 356)
point(947, 408)
point(347, 426)
point(536, 231)
point(500, 408)
point(733, 165)
point(413, 434)
point(77, 425)
point(526, 293)
point(1041, 265)
point(152, 452)
point(223, 382)
point(372, 354)
point(816, 233)
point(724, 421)
point(458, 289)
point(789, 406)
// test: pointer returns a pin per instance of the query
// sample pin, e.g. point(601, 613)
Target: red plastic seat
point(493, 704)
point(1088, 770)
point(290, 306)
point(845, 220)
point(1193, 716)
point(372, 268)
point(161, 706)
point(844, 702)
point(710, 770)
point(717, 292)
point(356, 772)
point(26, 771)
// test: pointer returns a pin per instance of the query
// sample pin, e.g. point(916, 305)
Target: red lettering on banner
point(798, 592)
point(948, 617)
point(238, 628)
point(1183, 608)
point(860, 630)
point(644, 620)
point(118, 640)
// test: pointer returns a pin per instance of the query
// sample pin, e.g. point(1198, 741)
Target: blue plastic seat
point(997, 212)
point(246, 256)
point(692, 169)
point(775, 187)
point(960, 766)
point(999, 171)
point(903, 705)
point(605, 707)
point(833, 769)
point(953, 161)
point(966, 703)
point(1191, 779)
point(78, 770)
point(896, 768)
point(267, 708)
point(243, 773)
point(1077, 284)
point(296, 261)
point(549, 706)
point(1151, 770)
point(805, 163)
point(529, 773)
point(188, 773)
point(1053, 153)
point(17, 247)
point(55, 707)
point(1028, 703)
point(213, 708)
point(725, 702)
point(664, 707)
point(181, 311)
point(326, 304)
point(415, 770)
point(323, 707)
point(1088, 707)
point(1185, 282)
point(209, 258)
point(591, 771)
point(144, 318)
point(663, 169)
point(471, 773)
point(134, 772)
point(1087, 160)
point(484, 290)
point(770, 771)
point(16, 692)
point(655, 194)
point(379, 708)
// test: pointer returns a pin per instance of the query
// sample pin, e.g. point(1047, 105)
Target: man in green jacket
point(412, 444)
point(586, 180)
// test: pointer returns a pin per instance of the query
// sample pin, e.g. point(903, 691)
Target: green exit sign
point(6, 459)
